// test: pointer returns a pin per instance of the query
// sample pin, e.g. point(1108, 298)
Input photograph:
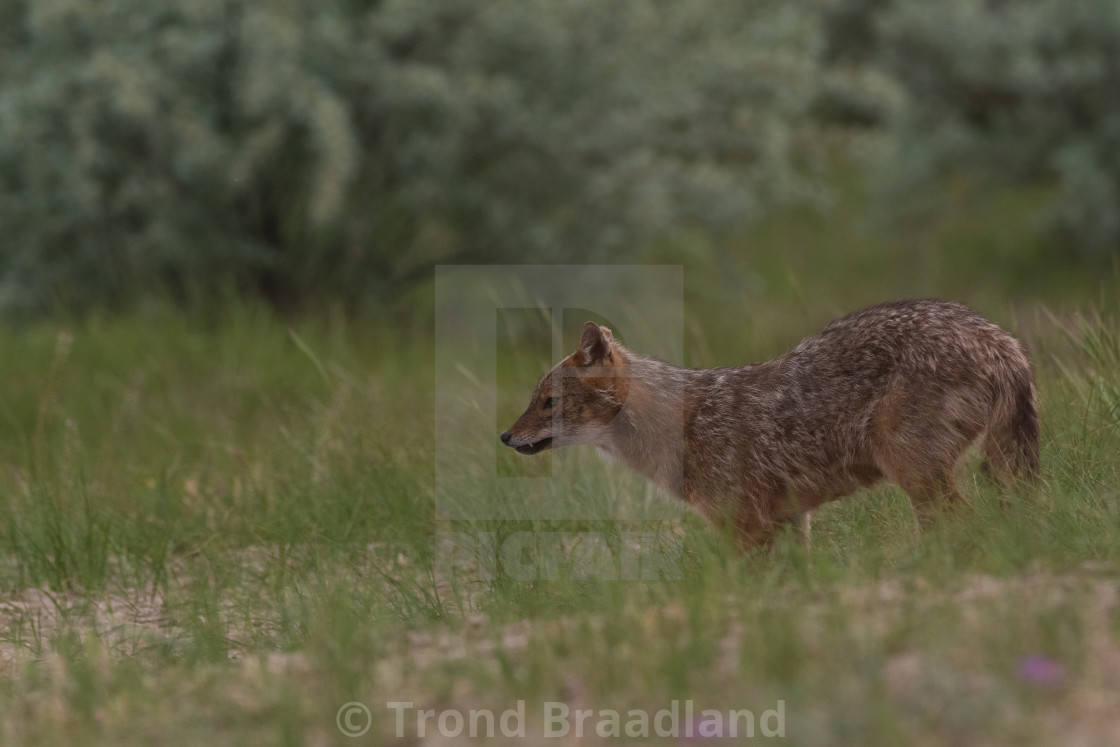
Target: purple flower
point(1042, 671)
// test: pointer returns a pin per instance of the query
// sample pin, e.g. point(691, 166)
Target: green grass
point(220, 533)
point(220, 528)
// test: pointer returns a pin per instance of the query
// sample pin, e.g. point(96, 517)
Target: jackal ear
point(594, 344)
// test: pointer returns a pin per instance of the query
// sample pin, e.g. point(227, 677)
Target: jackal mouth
point(535, 447)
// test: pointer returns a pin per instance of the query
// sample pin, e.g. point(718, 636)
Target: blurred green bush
point(303, 150)
point(297, 150)
point(1025, 93)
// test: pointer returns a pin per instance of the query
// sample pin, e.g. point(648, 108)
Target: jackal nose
point(505, 437)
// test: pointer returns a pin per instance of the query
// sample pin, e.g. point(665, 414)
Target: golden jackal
point(897, 391)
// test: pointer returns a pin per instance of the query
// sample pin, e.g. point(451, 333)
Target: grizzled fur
point(897, 392)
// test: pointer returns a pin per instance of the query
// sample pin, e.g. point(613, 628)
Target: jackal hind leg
point(998, 462)
point(760, 529)
point(801, 524)
point(930, 495)
point(999, 465)
point(755, 529)
point(798, 524)
point(929, 485)
point(918, 446)
point(750, 535)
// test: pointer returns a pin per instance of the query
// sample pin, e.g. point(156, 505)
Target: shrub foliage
point(1020, 93)
point(299, 149)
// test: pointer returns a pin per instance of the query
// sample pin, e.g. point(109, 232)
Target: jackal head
point(576, 401)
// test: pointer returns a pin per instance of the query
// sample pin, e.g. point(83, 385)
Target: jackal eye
point(548, 403)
